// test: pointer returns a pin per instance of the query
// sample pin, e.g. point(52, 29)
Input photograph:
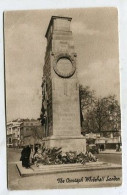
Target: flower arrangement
point(54, 156)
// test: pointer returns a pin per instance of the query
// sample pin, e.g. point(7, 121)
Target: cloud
point(103, 77)
point(79, 28)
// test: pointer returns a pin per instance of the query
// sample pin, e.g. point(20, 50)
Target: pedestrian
point(35, 149)
point(22, 158)
point(25, 156)
point(101, 147)
point(32, 155)
point(38, 157)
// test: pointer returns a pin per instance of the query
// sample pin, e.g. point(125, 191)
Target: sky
point(95, 34)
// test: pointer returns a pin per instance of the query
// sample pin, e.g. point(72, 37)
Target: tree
point(87, 99)
point(104, 115)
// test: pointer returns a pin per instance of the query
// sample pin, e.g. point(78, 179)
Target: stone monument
point(60, 111)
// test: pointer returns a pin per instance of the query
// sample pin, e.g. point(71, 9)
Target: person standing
point(25, 156)
point(32, 154)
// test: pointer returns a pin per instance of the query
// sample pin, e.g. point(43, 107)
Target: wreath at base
point(47, 156)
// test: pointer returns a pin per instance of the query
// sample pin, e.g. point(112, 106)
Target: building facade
point(13, 133)
point(20, 129)
point(31, 130)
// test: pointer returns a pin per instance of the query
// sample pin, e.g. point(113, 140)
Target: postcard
point(63, 114)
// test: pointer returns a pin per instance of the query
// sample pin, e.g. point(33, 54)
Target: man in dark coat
point(25, 157)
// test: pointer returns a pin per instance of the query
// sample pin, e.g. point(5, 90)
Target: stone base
point(77, 143)
point(48, 176)
point(63, 168)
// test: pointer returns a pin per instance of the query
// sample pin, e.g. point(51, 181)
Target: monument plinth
point(60, 89)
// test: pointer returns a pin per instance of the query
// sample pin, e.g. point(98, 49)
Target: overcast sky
point(95, 33)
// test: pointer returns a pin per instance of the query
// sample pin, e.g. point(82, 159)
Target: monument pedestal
point(67, 143)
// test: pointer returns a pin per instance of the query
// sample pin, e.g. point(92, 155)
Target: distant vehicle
point(93, 148)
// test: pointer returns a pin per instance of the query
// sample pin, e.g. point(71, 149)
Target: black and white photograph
point(62, 87)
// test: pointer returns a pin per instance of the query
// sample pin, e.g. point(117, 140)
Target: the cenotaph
point(60, 89)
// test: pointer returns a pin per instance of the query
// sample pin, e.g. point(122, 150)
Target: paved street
point(110, 158)
point(40, 181)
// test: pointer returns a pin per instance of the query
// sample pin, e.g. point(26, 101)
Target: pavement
point(110, 152)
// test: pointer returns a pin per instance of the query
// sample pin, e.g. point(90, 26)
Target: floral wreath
point(70, 58)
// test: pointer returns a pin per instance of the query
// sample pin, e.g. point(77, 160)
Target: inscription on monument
point(66, 107)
